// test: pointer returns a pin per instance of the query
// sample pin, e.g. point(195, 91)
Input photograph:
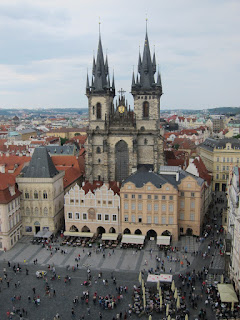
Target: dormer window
point(12, 190)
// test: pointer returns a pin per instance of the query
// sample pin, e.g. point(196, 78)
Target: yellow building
point(42, 198)
point(218, 156)
point(66, 133)
point(169, 203)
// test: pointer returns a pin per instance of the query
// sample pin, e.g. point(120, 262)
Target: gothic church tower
point(121, 140)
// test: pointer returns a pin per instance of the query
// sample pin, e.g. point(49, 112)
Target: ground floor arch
point(101, 230)
point(138, 231)
point(166, 233)
point(126, 231)
point(189, 232)
point(73, 228)
point(85, 229)
point(112, 230)
point(151, 234)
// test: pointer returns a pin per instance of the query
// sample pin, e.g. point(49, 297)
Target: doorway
point(37, 229)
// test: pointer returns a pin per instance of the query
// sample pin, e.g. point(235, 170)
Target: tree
point(63, 141)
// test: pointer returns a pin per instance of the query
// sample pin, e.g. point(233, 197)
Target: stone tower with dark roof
point(119, 139)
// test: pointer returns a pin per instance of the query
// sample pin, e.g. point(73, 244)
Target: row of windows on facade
point(36, 195)
point(228, 159)
point(167, 188)
point(76, 201)
point(126, 217)
point(224, 168)
point(156, 197)
point(224, 176)
point(36, 211)
point(14, 220)
point(15, 237)
point(156, 219)
point(156, 206)
point(145, 110)
point(85, 216)
point(13, 204)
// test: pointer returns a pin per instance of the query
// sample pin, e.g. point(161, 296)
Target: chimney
point(83, 183)
point(177, 176)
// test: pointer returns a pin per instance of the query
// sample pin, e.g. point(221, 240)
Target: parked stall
point(132, 241)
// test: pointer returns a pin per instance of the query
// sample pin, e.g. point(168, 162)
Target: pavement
point(124, 263)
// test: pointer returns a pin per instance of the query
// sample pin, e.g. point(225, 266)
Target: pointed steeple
point(113, 83)
point(139, 62)
point(108, 82)
point(133, 80)
point(159, 81)
point(154, 62)
point(106, 66)
point(87, 84)
point(94, 66)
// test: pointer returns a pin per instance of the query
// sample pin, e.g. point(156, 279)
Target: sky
point(47, 46)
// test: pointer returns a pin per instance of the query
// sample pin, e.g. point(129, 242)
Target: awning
point(47, 234)
point(163, 240)
point(39, 234)
point(133, 238)
point(78, 234)
point(161, 278)
point(109, 236)
point(227, 293)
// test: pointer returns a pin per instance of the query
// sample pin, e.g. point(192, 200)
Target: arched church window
point(142, 128)
point(36, 211)
point(145, 141)
point(99, 160)
point(93, 110)
point(45, 211)
point(97, 127)
point(99, 111)
point(145, 109)
point(45, 194)
point(99, 178)
point(35, 194)
point(98, 150)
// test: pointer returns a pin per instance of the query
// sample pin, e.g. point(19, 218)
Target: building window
point(126, 218)
point(227, 168)
point(217, 168)
point(99, 217)
point(155, 197)
point(125, 205)
point(145, 141)
point(181, 216)
point(45, 211)
point(163, 197)
point(148, 188)
point(217, 176)
point(192, 194)
point(149, 197)
point(84, 216)
point(133, 218)
point(227, 159)
point(163, 207)
point(145, 109)
point(167, 188)
point(129, 187)
point(140, 206)
point(35, 194)
point(181, 230)
point(223, 176)
point(170, 197)
point(140, 219)
point(26, 195)
point(125, 196)
point(149, 207)
point(223, 168)
point(237, 160)
point(155, 207)
point(69, 215)
point(77, 215)
point(182, 194)
point(192, 216)
point(114, 217)
point(99, 111)
point(189, 185)
point(45, 194)
point(223, 159)
point(156, 219)
point(182, 204)
point(192, 204)
point(217, 159)
point(171, 208)
point(133, 196)
point(133, 206)
point(27, 211)
point(110, 202)
point(139, 196)
point(170, 220)
point(98, 150)
point(149, 219)
point(163, 219)
point(36, 211)
point(106, 217)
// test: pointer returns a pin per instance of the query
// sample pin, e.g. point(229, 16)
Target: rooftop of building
point(211, 144)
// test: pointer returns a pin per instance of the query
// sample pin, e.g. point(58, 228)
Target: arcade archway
point(126, 231)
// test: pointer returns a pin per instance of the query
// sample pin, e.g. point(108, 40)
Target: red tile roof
point(7, 180)
point(97, 184)
point(13, 161)
point(202, 170)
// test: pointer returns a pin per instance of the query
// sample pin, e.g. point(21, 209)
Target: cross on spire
point(121, 92)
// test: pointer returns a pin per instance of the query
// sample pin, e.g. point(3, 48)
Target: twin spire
point(146, 70)
point(100, 74)
point(144, 81)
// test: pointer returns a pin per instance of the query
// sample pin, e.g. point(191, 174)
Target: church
point(121, 140)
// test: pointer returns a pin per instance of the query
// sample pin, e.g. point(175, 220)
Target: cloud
point(46, 47)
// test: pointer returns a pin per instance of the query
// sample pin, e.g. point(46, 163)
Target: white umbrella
point(160, 291)
point(186, 317)
point(150, 317)
point(160, 302)
point(169, 317)
point(232, 308)
point(173, 286)
point(167, 310)
point(175, 294)
point(178, 303)
point(158, 285)
point(140, 277)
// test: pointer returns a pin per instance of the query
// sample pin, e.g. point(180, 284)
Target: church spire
point(133, 80)
point(146, 69)
point(87, 84)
